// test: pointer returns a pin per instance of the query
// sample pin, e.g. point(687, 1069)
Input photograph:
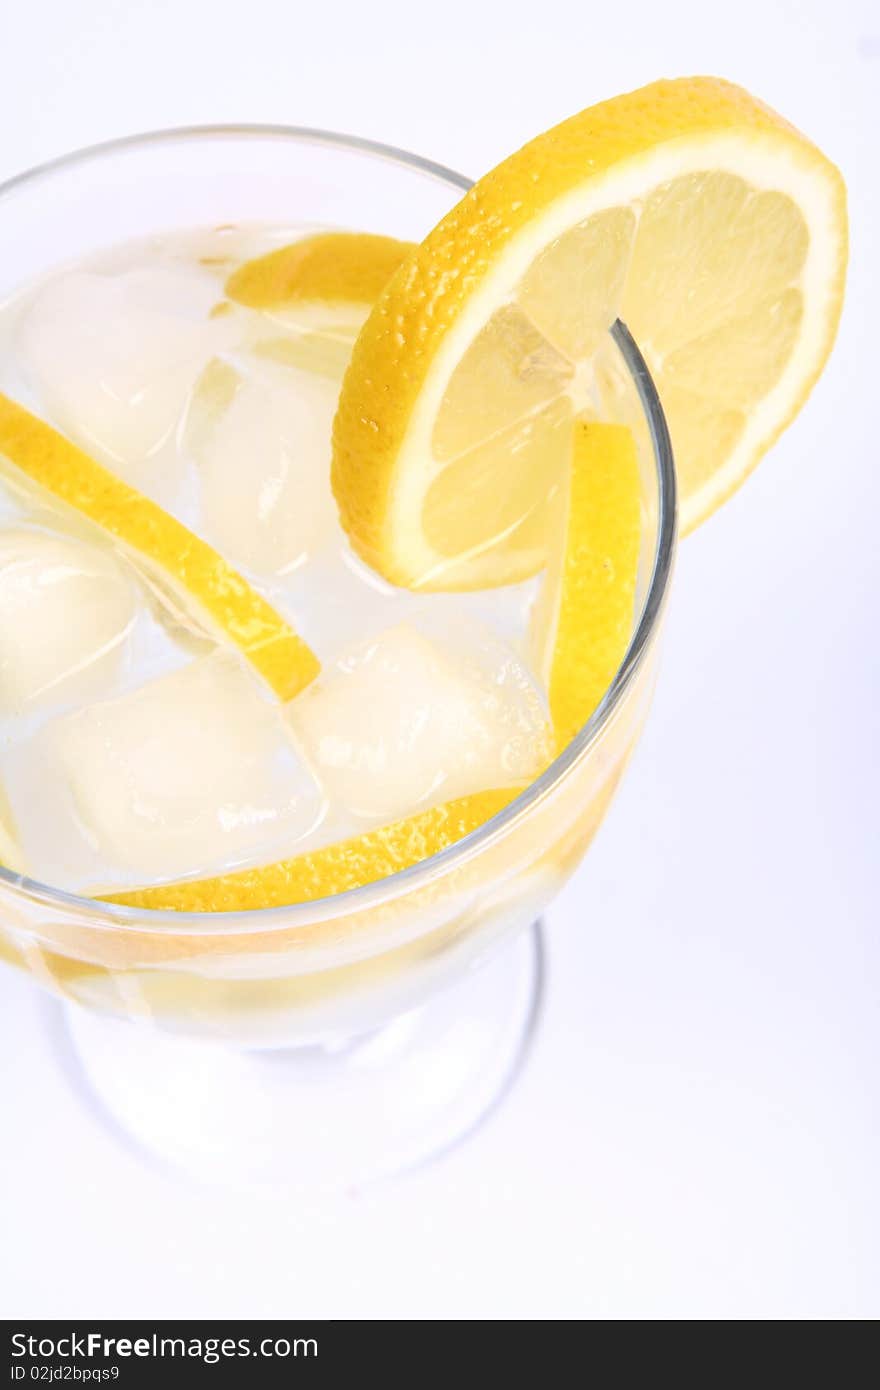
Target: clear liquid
point(135, 751)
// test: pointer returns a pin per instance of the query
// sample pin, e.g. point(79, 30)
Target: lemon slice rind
point(226, 604)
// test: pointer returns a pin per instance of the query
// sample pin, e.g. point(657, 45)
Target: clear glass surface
point(354, 999)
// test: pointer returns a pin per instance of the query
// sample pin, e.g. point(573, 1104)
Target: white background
point(696, 1133)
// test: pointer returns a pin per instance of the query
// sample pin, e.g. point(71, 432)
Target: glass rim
point(113, 916)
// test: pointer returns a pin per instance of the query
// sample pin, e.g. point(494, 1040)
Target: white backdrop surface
point(696, 1133)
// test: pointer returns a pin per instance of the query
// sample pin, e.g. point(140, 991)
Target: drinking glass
point(330, 1043)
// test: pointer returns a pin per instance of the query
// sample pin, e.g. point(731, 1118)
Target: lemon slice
point(223, 600)
point(317, 291)
point(582, 630)
point(689, 209)
point(332, 869)
point(583, 621)
point(329, 268)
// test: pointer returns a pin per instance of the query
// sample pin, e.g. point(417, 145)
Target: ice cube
point(114, 357)
point(322, 354)
point(191, 773)
point(66, 608)
point(342, 320)
point(405, 720)
point(261, 441)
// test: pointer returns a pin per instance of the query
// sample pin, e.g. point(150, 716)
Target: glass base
point(319, 1118)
